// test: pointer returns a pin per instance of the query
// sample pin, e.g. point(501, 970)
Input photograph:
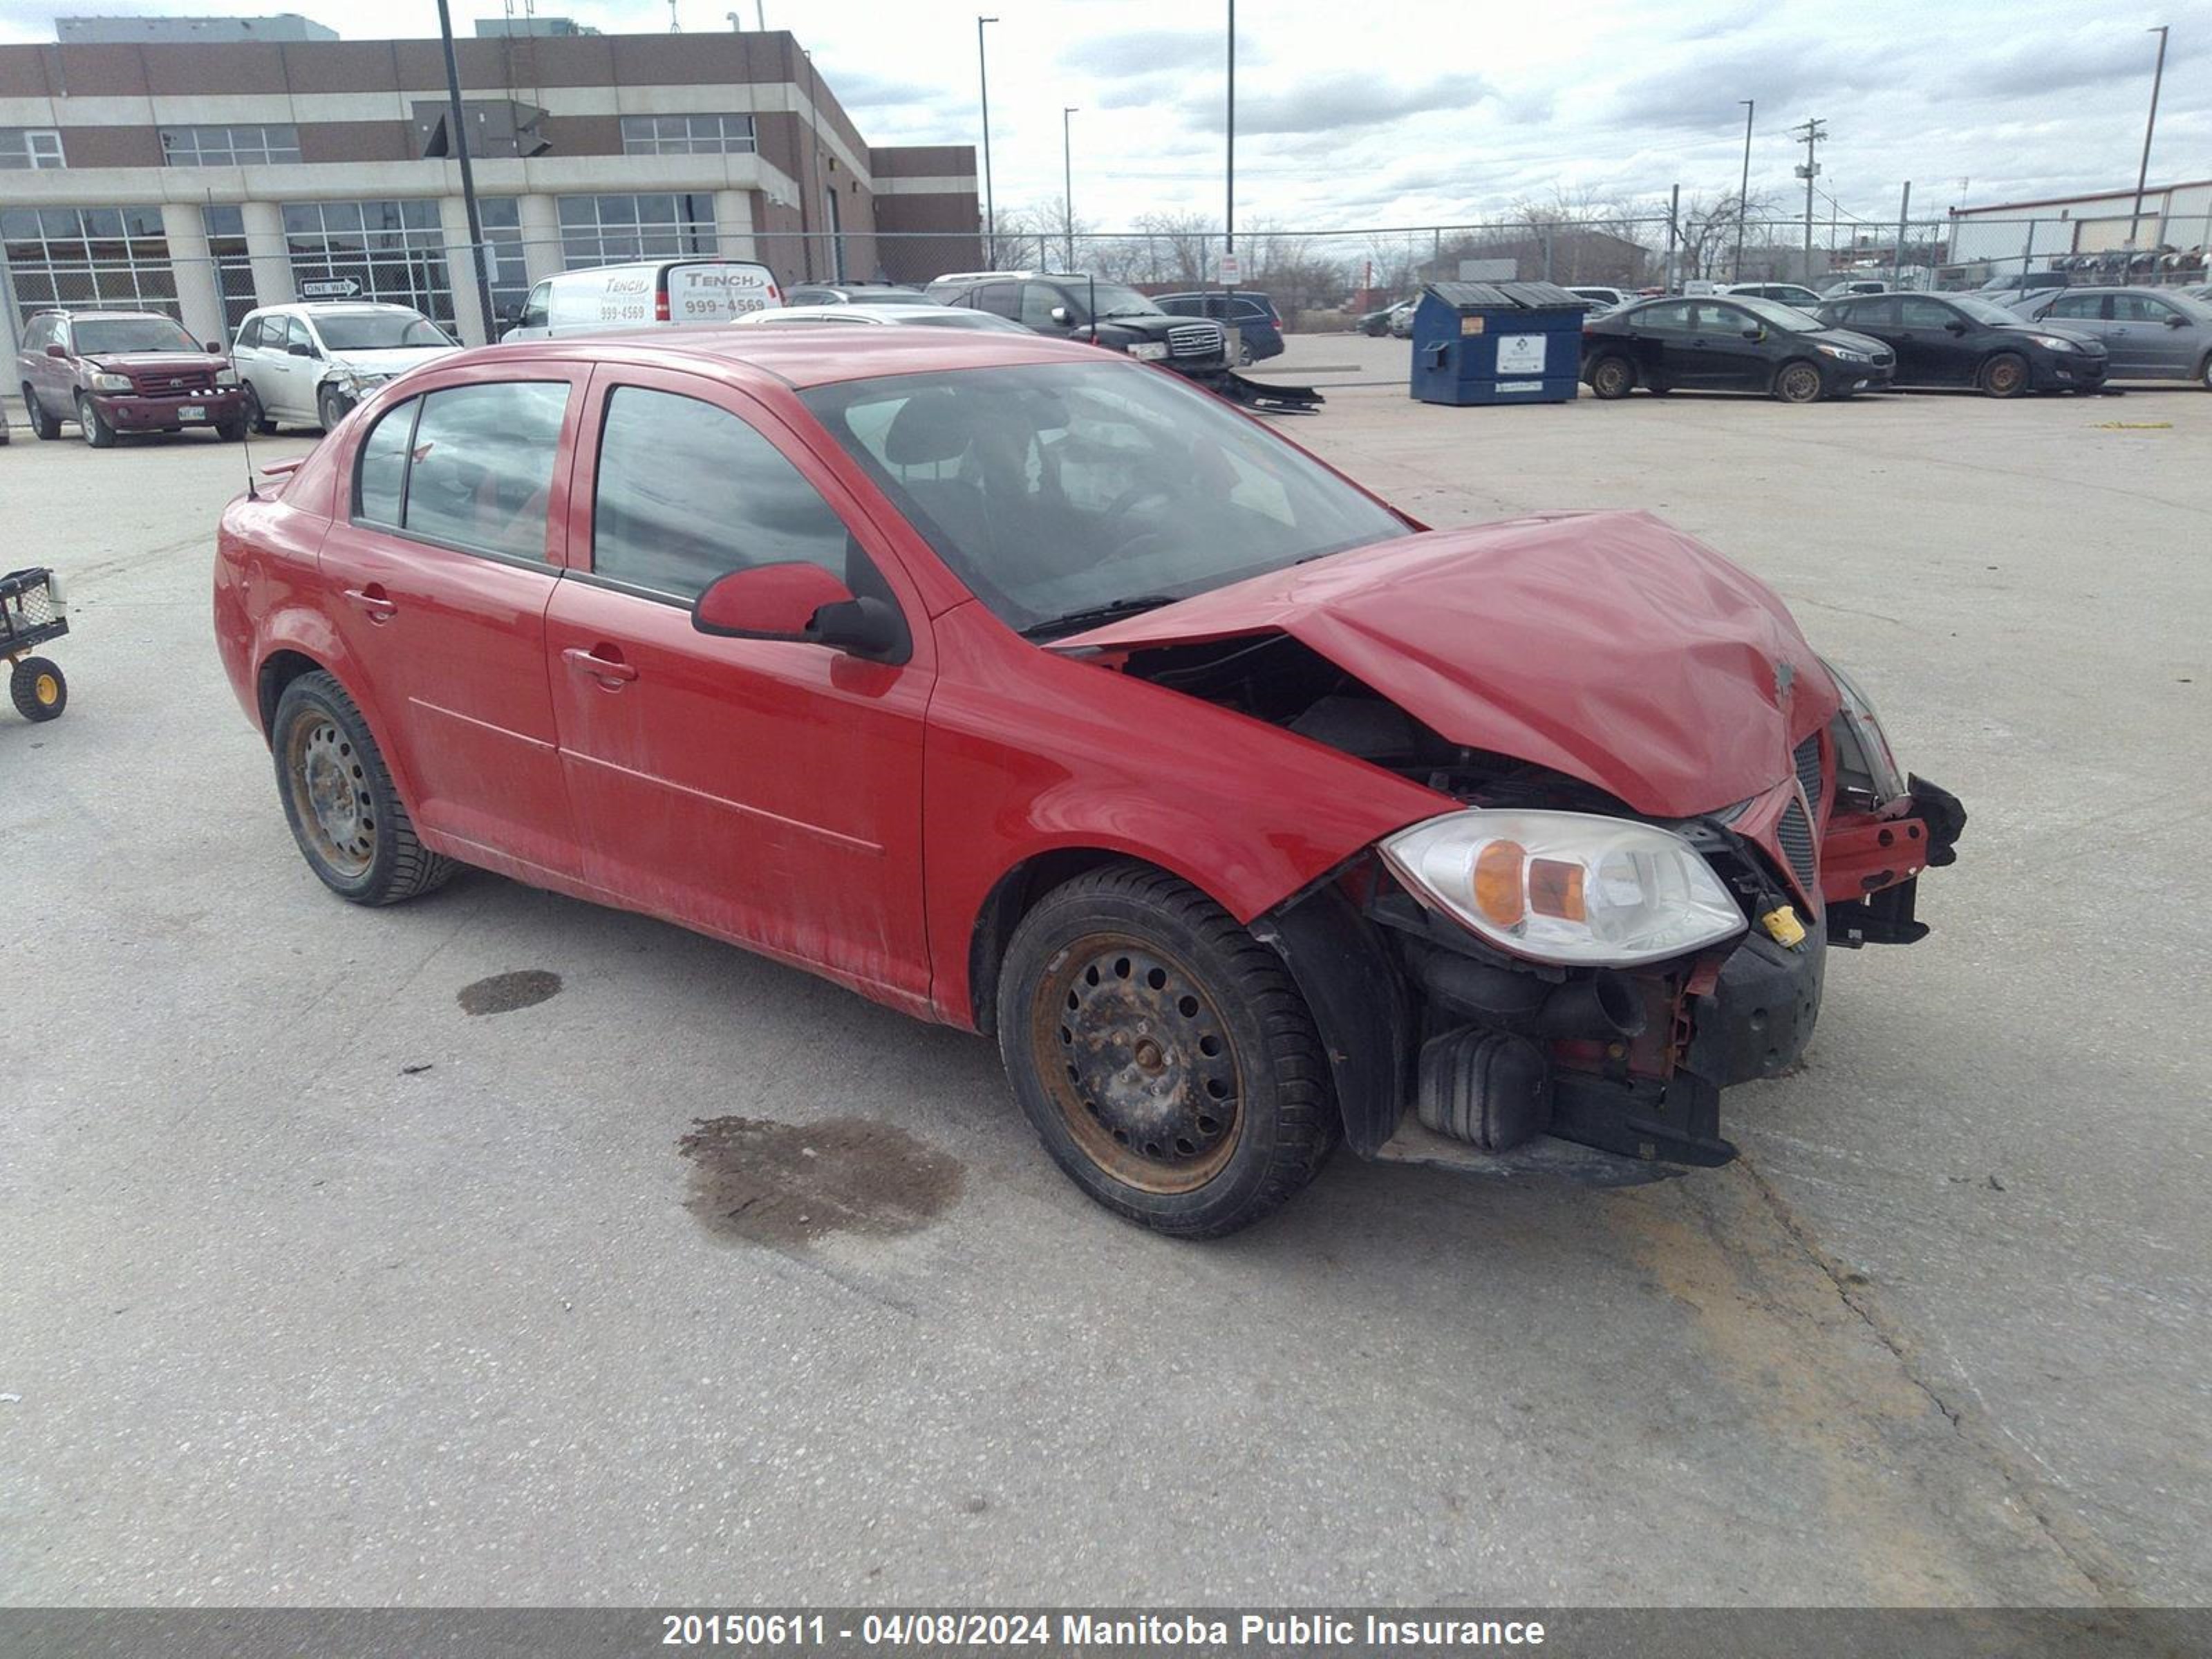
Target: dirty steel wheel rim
point(2005, 377)
point(1801, 383)
point(1611, 378)
point(330, 791)
point(1139, 1062)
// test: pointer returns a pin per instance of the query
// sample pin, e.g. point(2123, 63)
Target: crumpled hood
point(396, 361)
point(1606, 646)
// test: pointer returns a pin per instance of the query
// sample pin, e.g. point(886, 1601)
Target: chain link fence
point(1319, 280)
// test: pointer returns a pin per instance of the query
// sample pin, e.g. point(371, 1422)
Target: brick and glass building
point(203, 173)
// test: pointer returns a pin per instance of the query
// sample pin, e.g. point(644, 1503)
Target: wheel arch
point(304, 643)
point(1351, 986)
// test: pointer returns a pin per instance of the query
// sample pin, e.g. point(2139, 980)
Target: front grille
point(1806, 761)
point(1795, 832)
point(174, 383)
point(1195, 340)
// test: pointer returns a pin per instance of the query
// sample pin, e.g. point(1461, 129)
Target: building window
point(81, 257)
point(25, 147)
point(224, 147)
point(234, 270)
point(391, 250)
point(601, 230)
point(687, 134)
point(507, 263)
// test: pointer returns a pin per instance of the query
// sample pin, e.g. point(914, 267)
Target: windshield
point(381, 331)
point(1776, 314)
point(1981, 311)
point(1058, 489)
point(95, 339)
point(1112, 298)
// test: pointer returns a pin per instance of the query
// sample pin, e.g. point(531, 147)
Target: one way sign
point(341, 288)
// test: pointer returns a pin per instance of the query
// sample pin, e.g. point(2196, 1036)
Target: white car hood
point(390, 362)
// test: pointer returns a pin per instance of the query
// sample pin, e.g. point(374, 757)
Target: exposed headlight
point(1863, 762)
point(226, 377)
point(104, 381)
point(1149, 351)
point(2051, 343)
point(1566, 887)
point(1842, 354)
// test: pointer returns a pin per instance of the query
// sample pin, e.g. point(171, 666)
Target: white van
point(650, 294)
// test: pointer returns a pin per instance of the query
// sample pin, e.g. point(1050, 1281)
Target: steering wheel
point(1143, 493)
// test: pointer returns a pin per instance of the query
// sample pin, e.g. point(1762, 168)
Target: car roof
point(332, 307)
point(102, 314)
point(800, 357)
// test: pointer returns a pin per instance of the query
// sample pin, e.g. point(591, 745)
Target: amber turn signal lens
point(1497, 882)
point(1555, 889)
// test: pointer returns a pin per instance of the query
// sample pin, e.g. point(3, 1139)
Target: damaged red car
point(1031, 690)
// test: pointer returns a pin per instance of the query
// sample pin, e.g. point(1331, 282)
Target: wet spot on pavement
point(790, 1183)
point(502, 994)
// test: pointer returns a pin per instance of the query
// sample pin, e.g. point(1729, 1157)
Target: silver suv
point(311, 362)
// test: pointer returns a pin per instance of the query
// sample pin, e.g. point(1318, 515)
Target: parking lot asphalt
point(316, 1286)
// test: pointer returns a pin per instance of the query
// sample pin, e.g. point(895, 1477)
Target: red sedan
point(1030, 689)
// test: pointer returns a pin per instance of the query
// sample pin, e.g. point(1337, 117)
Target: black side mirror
point(1753, 331)
point(2175, 320)
point(866, 627)
point(213, 348)
point(1954, 326)
point(300, 348)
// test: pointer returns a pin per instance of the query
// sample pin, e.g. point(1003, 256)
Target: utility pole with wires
point(2151, 126)
point(1810, 135)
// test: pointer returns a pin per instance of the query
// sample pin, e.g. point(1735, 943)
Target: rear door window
point(472, 470)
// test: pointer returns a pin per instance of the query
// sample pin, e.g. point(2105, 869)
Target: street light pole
point(2143, 172)
point(1229, 200)
point(1743, 190)
point(457, 144)
point(990, 203)
point(1067, 178)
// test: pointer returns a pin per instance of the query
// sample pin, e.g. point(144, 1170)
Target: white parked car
point(311, 362)
point(892, 316)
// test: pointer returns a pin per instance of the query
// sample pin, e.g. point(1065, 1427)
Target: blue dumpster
point(1496, 343)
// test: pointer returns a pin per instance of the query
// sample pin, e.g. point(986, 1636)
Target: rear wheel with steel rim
point(1612, 377)
point(2005, 376)
point(38, 689)
point(1162, 1053)
point(1797, 383)
point(350, 823)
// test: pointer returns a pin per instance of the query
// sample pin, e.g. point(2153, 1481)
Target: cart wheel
point(39, 688)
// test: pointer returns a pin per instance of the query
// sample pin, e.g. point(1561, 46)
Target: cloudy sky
point(1419, 112)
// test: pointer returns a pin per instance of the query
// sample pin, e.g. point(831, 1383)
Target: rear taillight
point(773, 295)
point(661, 304)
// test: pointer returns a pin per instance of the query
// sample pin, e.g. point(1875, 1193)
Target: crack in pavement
point(2078, 1544)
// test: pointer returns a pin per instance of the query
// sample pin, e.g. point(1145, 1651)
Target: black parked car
point(1072, 307)
point(1960, 340)
point(1728, 345)
point(1259, 329)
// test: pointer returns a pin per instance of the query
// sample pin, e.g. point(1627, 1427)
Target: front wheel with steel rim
point(38, 689)
point(2005, 376)
point(1798, 383)
point(348, 819)
point(1612, 377)
point(1164, 1054)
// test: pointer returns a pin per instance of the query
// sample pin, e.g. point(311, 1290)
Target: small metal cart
point(32, 613)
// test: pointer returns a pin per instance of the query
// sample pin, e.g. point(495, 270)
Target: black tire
point(93, 424)
point(1797, 382)
point(2005, 376)
point(38, 688)
point(44, 425)
point(1232, 1079)
point(331, 409)
point(2204, 372)
point(350, 824)
point(256, 417)
point(1243, 354)
point(1613, 377)
point(231, 432)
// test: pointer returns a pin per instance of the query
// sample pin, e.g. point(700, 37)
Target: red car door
point(438, 569)
point(764, 791)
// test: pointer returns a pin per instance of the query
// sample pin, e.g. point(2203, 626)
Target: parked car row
point(2052, 339)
